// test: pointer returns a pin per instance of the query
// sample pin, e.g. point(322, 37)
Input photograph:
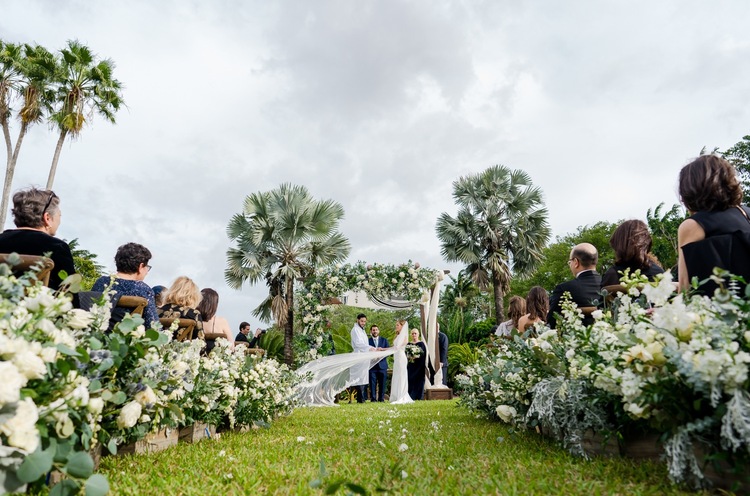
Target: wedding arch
point(390, 286)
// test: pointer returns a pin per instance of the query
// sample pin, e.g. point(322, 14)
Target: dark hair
point(244, 324)
point(709, 184)
point(209, 303)
point(516, 309)
point(586, 257)
point(360, 315)
point(130, 256)
point(537, 303)
point(374, 325)
point(30, 204)
point(631, 242)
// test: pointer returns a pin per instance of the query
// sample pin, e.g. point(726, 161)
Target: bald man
point(584, 289)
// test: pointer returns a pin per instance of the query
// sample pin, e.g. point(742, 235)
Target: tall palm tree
point(500, 229)
point(282, 236)
point(84, 86)
point(36, 67)
point(11, 79)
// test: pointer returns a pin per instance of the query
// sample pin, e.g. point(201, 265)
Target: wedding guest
point(537, 307)
point(180, 302)
point(37, 216)
point(416, 367)
point(131, 262)
point(631, 243)
point(242, 336)
point(159, 292)
point(516, 310)
point(379, 371)
point(211, 322)
point(583, 289)
point(443, 349)
point(710, 191)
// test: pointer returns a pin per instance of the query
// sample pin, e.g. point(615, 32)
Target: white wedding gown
point(400, 378)
point(328, 376)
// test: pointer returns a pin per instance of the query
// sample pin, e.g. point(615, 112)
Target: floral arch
point(407, 283)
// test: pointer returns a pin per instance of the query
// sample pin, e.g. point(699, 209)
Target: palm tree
point(84, 86)
point(282, 236)
point(11, 79)
point(36, 68)
point(500, 229)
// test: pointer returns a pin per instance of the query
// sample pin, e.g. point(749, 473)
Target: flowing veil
point(326, 377)
point(400, 378)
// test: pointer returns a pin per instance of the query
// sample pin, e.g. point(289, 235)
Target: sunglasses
point(49, 202)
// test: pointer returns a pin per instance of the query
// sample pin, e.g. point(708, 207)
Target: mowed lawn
point(429, 447)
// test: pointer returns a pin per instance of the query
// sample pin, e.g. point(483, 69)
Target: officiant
point(379, 371)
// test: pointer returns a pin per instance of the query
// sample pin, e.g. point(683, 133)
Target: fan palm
point(84, 86)
point(282, 236)
point(500, 229)
point(11, 79)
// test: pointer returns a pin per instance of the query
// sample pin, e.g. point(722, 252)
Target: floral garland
point(408, 281)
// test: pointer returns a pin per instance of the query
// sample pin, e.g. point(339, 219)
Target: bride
point(326, 377)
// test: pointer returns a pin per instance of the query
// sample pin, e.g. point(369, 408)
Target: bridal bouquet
point(412, 352)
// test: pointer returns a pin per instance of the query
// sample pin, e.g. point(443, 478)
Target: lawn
point(429, 447)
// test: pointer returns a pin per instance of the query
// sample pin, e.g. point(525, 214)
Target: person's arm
point(688, 232)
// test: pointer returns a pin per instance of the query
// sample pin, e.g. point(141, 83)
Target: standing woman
point(712, 195)
point(37, 215)
point(400, 379)
point(416, 368)
point(181, 301)
point(537, 306)
point(211, 322)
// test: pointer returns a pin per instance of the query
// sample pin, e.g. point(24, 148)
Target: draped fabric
point(400, 379)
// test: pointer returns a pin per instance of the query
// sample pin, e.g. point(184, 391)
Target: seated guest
point(37, 215)
point(180, 302)
point(131, 261)
point(244, 332)
point(211, 322)
point(584, 289)
point(717, 232)
point(516, 310)
point(159, 292)
point(631, 243)
point(537, 306)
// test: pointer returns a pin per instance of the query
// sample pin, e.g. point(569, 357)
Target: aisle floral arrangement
point(70, 387)
point(654, 361)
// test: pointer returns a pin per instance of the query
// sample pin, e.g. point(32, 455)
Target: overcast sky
point(379, 106)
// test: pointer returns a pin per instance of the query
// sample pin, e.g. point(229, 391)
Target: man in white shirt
point(360, 375)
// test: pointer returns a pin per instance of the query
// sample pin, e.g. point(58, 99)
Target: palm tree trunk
point(497, 286)
point(289, 326)
point(8, 173)
point(53, 168)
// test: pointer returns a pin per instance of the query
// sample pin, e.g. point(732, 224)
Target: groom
point(379, 371)
point(360, 344)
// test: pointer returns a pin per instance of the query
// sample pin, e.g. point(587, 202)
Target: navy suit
point(378, 372)
point(584, 292)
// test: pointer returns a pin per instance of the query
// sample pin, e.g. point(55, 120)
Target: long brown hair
point(631, 243)
point(209, 303)
point(516, 310)
point(709, 184)
point(537, 303)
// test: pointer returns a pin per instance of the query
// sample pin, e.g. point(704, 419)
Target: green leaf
point(152, 335)
point(119, 398)
point(80, 465)
point(95, 344)
point(66, 487)
point(315, 484)
point(106, 364)
point(107, 395)
point(35, 466)
point(356, 488)
point(334, 486)
point(112, 446)
point(65, 350)
point(95, 385)
point(63, 366)
point(97, 485)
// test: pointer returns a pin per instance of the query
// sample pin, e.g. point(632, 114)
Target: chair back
point(259, 352)
point(184, 328)
point(213, 335)
point(28, 262)
point(133, 304)
point(613, 290)
point(587, 311)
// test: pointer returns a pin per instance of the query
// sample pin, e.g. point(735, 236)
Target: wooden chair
point(184, 327)
point(259, 352)
point(133, 304)
point(613, 290)
point(27, 263)
point(587, 311)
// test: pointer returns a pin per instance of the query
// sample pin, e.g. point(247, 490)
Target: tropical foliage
point(500, 229)
point(739, 156)
point(86, 265)
point(282, 236)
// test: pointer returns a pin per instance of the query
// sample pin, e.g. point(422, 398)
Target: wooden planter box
point(595, 444)
point(438, 394)
point(197, 432)
point(152, 443)
point(642, 447)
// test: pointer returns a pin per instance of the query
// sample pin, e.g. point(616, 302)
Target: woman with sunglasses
point(37, 215)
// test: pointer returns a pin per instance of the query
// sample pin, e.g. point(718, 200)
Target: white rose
point(49, 354)
point(30, 365)
point(139, 332)
point(21, 429)
point(145, 397)
point(506, 413)
point(11, 384)
point(96, 405)
point(43, 299)
point(129, 415)
point(80, 319)
point(81, 394)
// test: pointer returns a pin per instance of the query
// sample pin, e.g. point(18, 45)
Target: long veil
point(326, 377)
point(400, 378)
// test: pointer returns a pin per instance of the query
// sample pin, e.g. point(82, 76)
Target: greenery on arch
point(407, 281)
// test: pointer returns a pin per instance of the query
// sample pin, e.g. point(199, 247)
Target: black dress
point(416, 370)
point(32, 242)
point(612, 276)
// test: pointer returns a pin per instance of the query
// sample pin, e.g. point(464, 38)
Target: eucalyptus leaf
point(95, 344)
point(80, 465)
point(119, 398)
point(97, 485)
point(66, 350)
point(112, 446)
point(66, 487)
point(34, 466)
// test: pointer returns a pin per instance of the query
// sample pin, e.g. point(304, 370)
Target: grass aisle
point(429, 447)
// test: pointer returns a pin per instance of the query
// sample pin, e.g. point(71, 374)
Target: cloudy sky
point(379, 105)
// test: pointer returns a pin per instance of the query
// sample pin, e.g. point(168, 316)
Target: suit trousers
point(377, 384)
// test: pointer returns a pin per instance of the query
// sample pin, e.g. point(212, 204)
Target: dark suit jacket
point(443, 346)
point(382, 343)
point(584, 291)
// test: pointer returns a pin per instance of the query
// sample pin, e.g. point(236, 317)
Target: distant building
point(359, 299)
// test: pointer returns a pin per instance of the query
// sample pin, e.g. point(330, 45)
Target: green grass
point(450, 451)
